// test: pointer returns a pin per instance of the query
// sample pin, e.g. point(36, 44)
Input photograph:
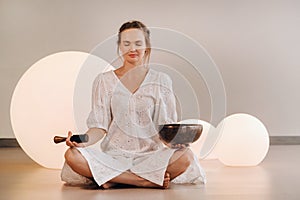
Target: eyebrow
point(134, 41)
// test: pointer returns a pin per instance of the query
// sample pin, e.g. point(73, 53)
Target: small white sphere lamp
point(197, 146)
point(244, 140)
point(42, 104)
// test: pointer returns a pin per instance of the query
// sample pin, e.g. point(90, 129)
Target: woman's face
point(133, 45)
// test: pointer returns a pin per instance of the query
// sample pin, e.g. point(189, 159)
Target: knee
point(186, 159)
point(70, 156)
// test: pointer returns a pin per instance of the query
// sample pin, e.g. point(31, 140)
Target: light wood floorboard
point(277, 177)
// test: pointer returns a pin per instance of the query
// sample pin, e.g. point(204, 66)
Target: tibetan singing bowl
point(180, 133)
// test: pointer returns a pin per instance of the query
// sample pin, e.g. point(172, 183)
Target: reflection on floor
point(277, 177)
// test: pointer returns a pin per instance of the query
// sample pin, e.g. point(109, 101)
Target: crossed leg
point(129, 178)
point(178, 163)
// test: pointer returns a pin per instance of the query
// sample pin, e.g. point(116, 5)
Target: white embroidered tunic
point(130, 119)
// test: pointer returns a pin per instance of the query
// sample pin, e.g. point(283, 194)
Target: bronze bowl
point(175, 134)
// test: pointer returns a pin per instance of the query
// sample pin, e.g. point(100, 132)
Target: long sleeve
point(166, 108)
point(100, 116)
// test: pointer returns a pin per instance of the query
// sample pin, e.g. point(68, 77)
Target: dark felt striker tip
point(79, 138)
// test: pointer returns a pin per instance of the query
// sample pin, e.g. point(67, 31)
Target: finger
point(75, 144)
point(182, 146)
point(69, 143)
point(78, 144)
point(69, 134)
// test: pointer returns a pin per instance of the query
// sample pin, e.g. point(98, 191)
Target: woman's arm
point(95, 134)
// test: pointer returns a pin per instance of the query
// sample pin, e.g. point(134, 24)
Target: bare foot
point(165, 185)
point(166, 181)
point(108, 185)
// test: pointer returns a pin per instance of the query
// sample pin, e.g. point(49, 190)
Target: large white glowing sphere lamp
point(42, 104)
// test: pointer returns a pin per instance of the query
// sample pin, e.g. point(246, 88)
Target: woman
point(127, 106)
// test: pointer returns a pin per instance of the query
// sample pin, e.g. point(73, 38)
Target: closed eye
point(139, 43)
point(126, 43)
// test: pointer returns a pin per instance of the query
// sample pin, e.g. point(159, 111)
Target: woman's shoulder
point(103, 78)
point(107, 73)
point(161, 76)
point(104, 75)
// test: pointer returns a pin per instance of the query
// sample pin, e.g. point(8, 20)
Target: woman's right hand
point(73, 144)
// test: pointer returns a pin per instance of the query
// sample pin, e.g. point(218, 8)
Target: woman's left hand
point(73, 144)
point(178, 146)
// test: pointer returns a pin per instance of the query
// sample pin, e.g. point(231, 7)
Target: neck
point(128, 66)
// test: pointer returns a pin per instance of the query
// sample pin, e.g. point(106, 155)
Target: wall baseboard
point(274, 140)
point(285, 140)
point(9, 142)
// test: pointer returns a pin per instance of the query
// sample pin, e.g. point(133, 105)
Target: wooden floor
point(278, 177)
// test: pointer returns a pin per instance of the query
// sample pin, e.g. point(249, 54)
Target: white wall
point(255, 44)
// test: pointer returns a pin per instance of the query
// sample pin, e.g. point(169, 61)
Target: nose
point(132, 47)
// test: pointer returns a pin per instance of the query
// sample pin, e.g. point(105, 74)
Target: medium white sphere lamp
point(198, 145)
point(244, 140)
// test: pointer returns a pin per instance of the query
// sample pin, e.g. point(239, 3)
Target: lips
point(132, 55)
